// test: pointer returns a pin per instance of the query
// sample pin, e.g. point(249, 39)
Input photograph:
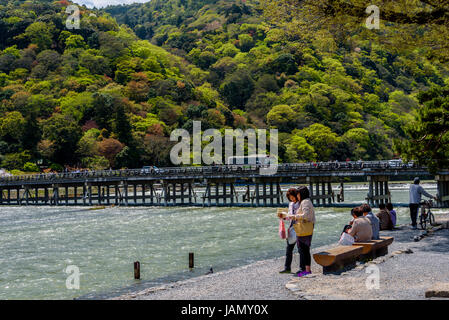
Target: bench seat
point(342, 257)
point(338, 258)
point(374, 248)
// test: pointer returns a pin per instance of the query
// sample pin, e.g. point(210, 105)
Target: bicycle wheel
point(422, 222)
point(431, 218)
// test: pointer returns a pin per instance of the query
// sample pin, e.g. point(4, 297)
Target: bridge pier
point(271, 191)
point(217, 196)
point(443, 190)
point(172, 194)
point(341, 194)
point(378, 190)
point(321, 196)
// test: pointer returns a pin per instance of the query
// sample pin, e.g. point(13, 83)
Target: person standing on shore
point(305, 222)
point(416, 192)
point(292, 207)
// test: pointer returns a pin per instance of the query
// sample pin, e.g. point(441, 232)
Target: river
point(37, 244)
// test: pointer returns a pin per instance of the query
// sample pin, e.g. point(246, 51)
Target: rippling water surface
point(38, 243)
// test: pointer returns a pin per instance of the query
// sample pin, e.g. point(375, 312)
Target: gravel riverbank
point(406, 272)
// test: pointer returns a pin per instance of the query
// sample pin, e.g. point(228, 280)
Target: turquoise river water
point(37, 244)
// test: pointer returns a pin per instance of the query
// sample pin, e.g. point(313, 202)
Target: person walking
point(305, 222)
point(292, 207)
point(416, 192)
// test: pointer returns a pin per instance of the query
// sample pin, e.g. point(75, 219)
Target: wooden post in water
point(90, 194)
point(257, 195)
point(381, 190)
point(264, 194)
point(191, 261)
point(310, 188)
point(371, 192)
point(182, 192)
point(126, 192)
point(137, 270)
point(323, 190)
point(190, 193)
point(84, 194)
point(216, 193)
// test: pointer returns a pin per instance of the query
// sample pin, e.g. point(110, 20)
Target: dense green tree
point(64, 133)
point(429, 132)
point(237, 88)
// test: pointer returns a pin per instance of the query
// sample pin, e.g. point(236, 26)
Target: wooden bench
point(374, 248)
point(344, 257)
point(336, 259)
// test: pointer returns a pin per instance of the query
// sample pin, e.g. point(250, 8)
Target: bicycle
point(426, 216)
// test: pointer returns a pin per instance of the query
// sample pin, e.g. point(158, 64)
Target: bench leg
point(341, 266)
point(367, 257)
point(381, 251)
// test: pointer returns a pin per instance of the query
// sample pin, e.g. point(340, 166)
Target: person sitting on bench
point(361, 227)
point(384, 218)
point(375, 224)
point(392, 213)
point(346, 239)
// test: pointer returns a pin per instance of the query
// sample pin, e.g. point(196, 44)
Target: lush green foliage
point(110, 93)
point(293, 74)
point(429, 132)
point(97, 97)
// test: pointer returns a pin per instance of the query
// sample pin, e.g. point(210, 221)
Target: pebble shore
point(410, 268)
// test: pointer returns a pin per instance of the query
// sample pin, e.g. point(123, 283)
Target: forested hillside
point(332, 98)
point(109, 94)
point(96, 97)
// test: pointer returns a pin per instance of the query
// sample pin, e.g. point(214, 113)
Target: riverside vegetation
point(110, 93)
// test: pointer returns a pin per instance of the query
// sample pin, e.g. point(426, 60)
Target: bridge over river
point(211, 185)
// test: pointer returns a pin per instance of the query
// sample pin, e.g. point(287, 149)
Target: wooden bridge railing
point(198, 171)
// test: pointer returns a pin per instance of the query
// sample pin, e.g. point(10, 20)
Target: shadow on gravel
point(439, 242)
point(401, 234)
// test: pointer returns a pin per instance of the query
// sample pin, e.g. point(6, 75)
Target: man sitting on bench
point(361, 227)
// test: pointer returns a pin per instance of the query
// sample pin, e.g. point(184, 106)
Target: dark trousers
point(304, 255)
point(289, 256)
point(414, 213)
